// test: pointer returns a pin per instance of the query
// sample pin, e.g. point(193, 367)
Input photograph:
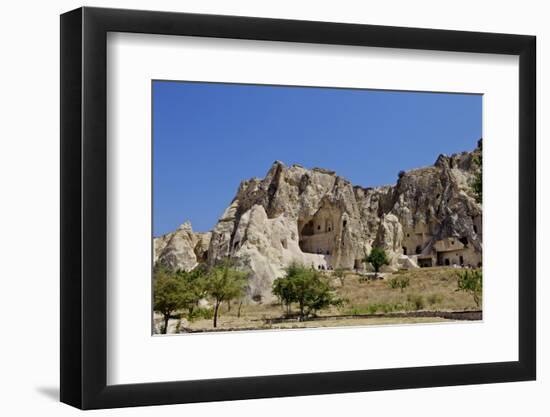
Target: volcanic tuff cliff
point(317, 217)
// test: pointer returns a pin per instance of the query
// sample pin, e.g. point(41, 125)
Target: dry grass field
point(366, 302)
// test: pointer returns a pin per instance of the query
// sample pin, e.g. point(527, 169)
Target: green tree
point(283, 290)
point(224, 283)
point(307, 287)
point(471, 281)
point(377, 257)
point(192, 288)
point(167, 294)
point(477, 183)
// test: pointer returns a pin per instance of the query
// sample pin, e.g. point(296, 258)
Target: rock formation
point(182, 249)
point(313, 216)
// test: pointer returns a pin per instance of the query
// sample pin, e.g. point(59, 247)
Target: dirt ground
point(430, 289)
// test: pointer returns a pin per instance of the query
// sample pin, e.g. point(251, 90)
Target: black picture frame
point(84, 207)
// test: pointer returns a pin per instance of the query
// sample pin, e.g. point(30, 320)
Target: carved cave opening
point(317, 234)
point(306, 229)
point(425, 262)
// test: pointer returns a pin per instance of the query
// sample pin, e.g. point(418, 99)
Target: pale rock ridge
point(182, 249)
point(316, 217)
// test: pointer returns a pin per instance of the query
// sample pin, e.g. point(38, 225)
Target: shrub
point(354, 311)
point(417, 301)
point(201, 313)
point(223, 284)
point(375, 308)
point(393, 283)
point(167, 295)
point(399, 282)
point(192, 287)
point(306, 287)
point(372, 308)
point(377, 257)
point(387, 308)
point(471, 281)
point(435, 299)
point(340, 274)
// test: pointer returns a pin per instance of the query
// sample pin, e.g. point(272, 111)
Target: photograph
point(269, 208)
point(286, 207)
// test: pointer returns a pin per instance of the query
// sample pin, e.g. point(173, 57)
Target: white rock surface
point(182, 249)
point(318, 218)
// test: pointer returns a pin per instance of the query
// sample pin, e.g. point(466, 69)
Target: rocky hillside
point(182, 249)
point(430, 217)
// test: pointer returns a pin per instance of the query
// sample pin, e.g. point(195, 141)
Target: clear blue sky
point(209, 137)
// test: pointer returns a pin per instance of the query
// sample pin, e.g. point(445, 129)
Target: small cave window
point(437, 196)
point(319, 227)
point(452, 242)
point(344, 223)
point(461, 258)
point(475, 228)
point(418, 250)
point(408, 235)
point(404, 250)
point(307, 230)
point(464, 241)
point(328, 252)
point(447, 262)
point(236, 244)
